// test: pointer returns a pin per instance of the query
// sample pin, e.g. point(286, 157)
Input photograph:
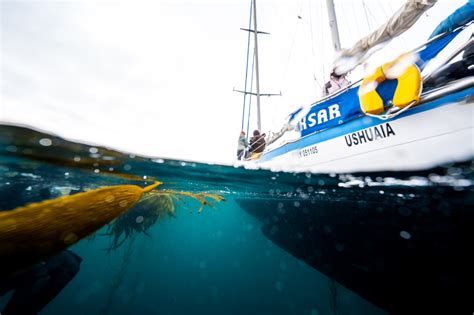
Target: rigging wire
point(247, 65)
point(301, 18)
point(285, 72)
point(250, 95)
point(312, 45)
point(346, 19)
point(374, 18)
point(387, 16)
point(366, 16)
point(322, 39)
point(356, 24)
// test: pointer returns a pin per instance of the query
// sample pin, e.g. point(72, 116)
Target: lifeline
point(369, 134)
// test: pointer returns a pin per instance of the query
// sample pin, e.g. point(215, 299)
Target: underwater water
point(261, 243)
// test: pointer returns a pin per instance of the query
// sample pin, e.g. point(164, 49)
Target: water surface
point(281, 243)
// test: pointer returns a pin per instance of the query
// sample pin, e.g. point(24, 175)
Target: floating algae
point(39, 230)
point(157, 205)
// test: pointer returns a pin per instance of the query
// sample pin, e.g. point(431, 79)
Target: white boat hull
point(431, 135)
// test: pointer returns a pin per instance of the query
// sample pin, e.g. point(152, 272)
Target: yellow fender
point(408, 88)
point(39, 230)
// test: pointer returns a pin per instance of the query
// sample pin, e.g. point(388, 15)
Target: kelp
point(333, 296)
point(36, 231)
point(140, 218)
point(201, 197)
point(117, 281)
point(155, 206)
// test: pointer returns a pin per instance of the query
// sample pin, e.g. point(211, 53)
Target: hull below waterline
point(402, 248)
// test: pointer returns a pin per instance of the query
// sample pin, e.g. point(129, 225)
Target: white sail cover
point(402, 20)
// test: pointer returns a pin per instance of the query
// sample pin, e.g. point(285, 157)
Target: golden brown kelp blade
point(154, 207)
point(36, 231)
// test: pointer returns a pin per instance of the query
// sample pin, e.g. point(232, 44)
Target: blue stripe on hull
point(360, 124)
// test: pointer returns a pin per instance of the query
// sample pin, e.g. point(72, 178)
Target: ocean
point(231, 240)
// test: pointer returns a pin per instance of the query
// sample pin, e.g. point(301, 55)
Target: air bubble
point(405, 235)
point(45, 142)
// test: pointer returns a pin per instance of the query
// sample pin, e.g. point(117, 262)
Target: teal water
point(275, 246)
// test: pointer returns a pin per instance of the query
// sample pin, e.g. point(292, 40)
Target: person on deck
point(257, 142)
point(241, 145)
point(335, 83)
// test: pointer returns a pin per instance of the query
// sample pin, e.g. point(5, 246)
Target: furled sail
point(402, 20)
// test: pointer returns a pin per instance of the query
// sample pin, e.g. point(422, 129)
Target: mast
point(259, 123)
point(254, 68)
point(333, 25)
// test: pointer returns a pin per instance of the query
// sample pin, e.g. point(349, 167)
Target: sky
point(156, 78)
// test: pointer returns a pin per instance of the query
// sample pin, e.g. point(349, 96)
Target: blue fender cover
point(459, 17)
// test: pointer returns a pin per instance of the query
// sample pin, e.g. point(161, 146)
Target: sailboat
point(408, 124)
point(382, 122)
